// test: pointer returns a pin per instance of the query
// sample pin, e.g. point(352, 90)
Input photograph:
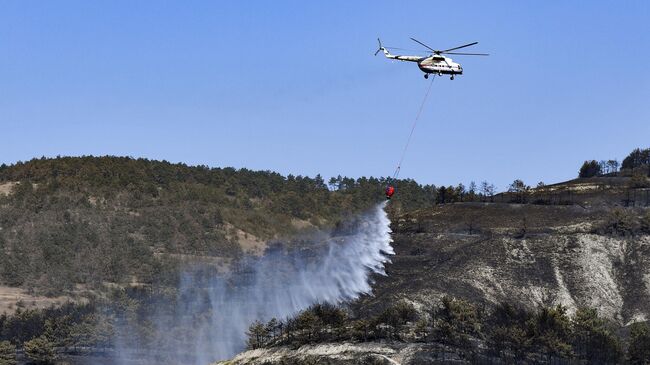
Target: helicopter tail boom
point(396, 57)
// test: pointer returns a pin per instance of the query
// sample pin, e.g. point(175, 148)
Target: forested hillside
point(121, 228)
point(92, 220)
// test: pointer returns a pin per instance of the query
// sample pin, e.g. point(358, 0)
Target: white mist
point(218, 310)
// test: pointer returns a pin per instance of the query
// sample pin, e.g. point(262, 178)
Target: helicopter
point(436, 63)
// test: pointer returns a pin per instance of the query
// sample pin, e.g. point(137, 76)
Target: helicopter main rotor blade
point(403, 49)
point(415, 40)
point(451, 49)
point(468, 54)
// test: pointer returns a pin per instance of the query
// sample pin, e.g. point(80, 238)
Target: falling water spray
point(216, 311)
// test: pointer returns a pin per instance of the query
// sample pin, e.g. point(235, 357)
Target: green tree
point(518, 186)
point(509, 331)
point(23, 325)
point(460, 191)
point(639, 350)
point(334, 183)
point(40, 350)
point(636, 158)
point(257, 335)
point(442, 195)
point(271, 328)
point(361, 329)
point(396, 317)
point(593, 341)
point(309, 326)
point(319, 182)
point(510, 339)
point(455, 321)
point(93, 331)
point(552, 330)
point(461, 314)
point(332, 317)
point(590, 169)
point(472, 190)
point(7, 353)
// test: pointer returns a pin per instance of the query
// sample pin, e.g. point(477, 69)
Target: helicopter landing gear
point(452, 77)
point(426, 76)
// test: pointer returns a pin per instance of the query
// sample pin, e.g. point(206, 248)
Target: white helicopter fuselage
point(440, 65)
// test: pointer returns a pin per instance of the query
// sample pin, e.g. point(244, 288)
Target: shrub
point(639, 350)
point(645, 223)
point(7, 353)
point(639, 180)
point(620, 222)
point(40, 350)
point(396, 317)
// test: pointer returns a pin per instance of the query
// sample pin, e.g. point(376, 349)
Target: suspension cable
point(415, 122)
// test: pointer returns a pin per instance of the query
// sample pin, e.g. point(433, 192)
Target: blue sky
point(293, 86)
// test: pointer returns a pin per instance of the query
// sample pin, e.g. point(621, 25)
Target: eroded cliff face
point(371, 353)
point(523, 254)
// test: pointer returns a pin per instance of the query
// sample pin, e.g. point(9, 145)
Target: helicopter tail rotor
point(381, 48)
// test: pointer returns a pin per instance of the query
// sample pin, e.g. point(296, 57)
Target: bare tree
point(612, 166)
point(472, 188)
point(604, 167)
point(487, 189)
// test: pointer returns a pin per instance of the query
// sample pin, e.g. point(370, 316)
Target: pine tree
point(637, 158)
point(593, 340)
point(518, 186)
point(257, 335)
point(639, 350)
point(40, 350)
point(7, 353)
point(271, 327)
point(590, 169)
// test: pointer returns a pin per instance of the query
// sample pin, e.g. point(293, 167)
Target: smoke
point(211, 313)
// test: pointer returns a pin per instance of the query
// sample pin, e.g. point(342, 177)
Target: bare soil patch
point(12, 298)
point(6, 188)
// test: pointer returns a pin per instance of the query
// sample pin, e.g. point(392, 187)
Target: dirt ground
point(12, 298)
point(6, 188)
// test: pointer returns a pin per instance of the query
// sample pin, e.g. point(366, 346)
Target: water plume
point(212, 312)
